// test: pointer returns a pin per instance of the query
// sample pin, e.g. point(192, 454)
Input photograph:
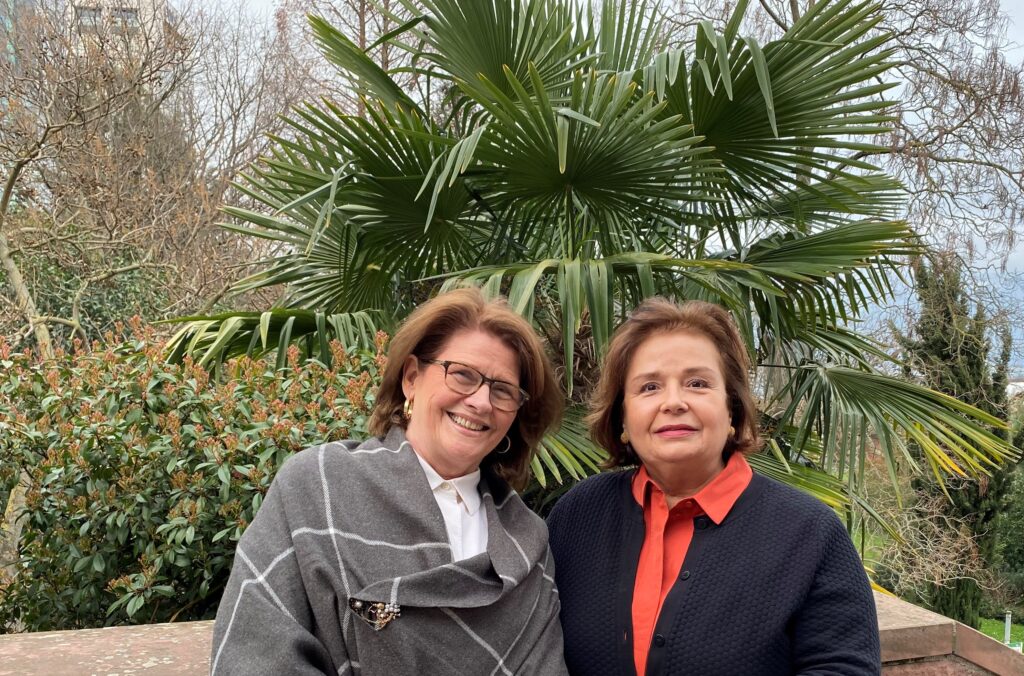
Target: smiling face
point(454, 432)
point(676, 410)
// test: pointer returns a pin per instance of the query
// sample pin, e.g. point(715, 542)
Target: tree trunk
point(23, 297)
point(22, 294)
point(10, 529)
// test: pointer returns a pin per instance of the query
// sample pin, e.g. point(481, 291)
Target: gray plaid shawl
point(347, 528)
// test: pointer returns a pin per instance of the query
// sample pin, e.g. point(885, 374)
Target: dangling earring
point(508, 446)
point(407, 410)
point(624, 437)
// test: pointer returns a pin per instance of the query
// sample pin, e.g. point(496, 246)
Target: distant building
point(7, 9)
point(127, 15)
point(1015, 386)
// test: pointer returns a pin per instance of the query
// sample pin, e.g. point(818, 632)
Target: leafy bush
point(143, 474)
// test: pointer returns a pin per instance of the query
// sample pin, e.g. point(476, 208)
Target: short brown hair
point(425, 332)
point(658, 315)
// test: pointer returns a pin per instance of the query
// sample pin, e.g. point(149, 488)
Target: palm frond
point(625, 34)
point(786, 115)
point(369, 79)
point(568, 450)
point(845, 405)
point(468, 42)
point(217, 338)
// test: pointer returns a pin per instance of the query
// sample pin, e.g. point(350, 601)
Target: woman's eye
point(464, 376)
point(648, 387)
point(697, 382)
point(504, 392)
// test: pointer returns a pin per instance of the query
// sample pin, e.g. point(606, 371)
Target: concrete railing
point(920, 642)
point(914, 642)
point(179, 649)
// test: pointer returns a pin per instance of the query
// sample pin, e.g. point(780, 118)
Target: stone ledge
point(920, 642)
point(915, 642)
point(908, 632)
point(178, 649)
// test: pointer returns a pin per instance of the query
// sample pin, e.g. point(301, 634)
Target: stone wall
point(915, 642)
point(919, 642)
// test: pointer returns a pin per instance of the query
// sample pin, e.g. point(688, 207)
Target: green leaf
point(370, 78)
point(134, 605)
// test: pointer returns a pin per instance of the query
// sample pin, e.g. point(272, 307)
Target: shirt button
point(446, 486)
point(659, 640)
point(685, 575)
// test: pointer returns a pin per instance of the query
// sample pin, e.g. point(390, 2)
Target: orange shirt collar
point(715, 499)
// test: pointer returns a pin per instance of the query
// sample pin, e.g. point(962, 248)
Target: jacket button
point(700, 523)
point(659, 640)
point(685, 575)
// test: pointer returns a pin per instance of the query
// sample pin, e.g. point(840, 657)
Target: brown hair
point(658, 315)
point(425, 332)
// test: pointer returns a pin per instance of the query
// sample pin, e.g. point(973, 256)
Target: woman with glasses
point(410, 553)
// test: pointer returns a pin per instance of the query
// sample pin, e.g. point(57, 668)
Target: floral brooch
point(377, 614)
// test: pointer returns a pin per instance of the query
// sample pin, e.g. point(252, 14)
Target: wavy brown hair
point(426, 331)
point(659, 316)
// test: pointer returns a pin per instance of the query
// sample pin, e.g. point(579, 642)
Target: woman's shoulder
point(599, 489)
point(783, 503)
point(777, 492)
point(599, 483)
point(304, 466)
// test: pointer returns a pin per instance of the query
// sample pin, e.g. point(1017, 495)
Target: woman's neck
point(681, 481)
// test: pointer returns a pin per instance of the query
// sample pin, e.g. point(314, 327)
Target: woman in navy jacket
point(691, 563)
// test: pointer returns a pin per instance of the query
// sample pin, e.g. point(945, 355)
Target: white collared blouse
point(459, 501)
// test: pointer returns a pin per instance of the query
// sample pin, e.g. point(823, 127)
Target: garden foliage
point(950, 349)
point(1011, 542)
point(143, 474)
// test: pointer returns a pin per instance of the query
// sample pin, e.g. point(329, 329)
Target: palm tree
point(569, 157)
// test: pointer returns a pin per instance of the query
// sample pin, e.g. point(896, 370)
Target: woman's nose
point(481, 399)
point(675, 399)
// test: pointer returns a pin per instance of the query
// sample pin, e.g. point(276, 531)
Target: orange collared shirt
point(667, 538)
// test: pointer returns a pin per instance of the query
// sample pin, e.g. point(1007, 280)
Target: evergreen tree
point(949, 348)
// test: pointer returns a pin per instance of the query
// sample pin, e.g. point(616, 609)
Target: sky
point(1015, 10)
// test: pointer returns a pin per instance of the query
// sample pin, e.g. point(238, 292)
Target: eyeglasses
point(467, 380)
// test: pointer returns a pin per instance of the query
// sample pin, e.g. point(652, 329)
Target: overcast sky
point(1014, 8)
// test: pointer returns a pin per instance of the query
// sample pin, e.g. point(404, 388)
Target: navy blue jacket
point(776, 588)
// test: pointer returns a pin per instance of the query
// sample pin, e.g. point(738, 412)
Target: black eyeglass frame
point(484, 380)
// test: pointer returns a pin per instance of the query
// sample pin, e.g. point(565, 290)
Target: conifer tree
point(949, 348)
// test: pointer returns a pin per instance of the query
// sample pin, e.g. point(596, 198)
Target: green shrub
point(1010, 527)
point(144, 474)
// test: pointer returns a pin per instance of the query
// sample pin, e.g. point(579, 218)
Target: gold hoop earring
point(624, 437)
point(508, 446)
point(407, 410)
point(732, 431)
